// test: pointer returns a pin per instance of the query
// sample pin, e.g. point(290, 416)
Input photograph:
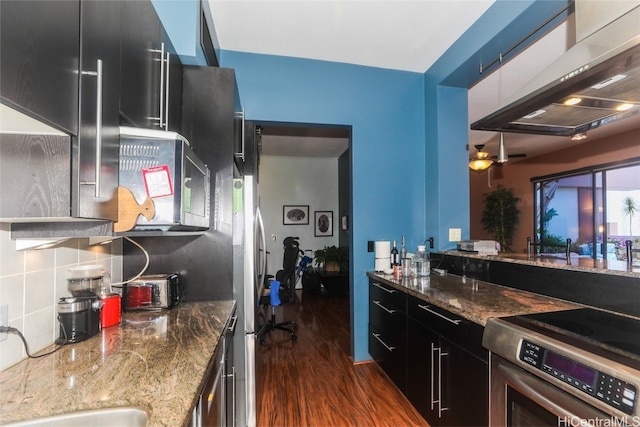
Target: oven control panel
point(606, 388)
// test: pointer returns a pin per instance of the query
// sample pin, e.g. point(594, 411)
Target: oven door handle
point(554, 400)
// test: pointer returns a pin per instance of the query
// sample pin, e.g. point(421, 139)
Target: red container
point(111, 310)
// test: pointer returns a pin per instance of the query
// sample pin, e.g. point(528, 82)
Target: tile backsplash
point(32, 281)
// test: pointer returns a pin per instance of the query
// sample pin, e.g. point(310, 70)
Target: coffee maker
point(79, 318)
point(79, 314)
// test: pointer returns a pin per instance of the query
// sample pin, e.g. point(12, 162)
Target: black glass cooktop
point(602, 328)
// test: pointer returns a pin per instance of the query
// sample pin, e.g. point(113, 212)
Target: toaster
point(152, 292)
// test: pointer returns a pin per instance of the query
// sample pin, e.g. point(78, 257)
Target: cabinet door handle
point(433, 402)
point(441, 409)
point(166, 94)
point(233, 396)
point(98, 75)
point(378, 303)
point(232, 326)
point(161, 84)
point(240, 115)
point(377, 336)
point(426, 308)
point(390, 291)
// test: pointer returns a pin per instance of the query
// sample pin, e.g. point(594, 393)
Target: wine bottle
point(395, 260)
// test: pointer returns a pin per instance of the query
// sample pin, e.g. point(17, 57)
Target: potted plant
point(501, 216)
point(333, 258)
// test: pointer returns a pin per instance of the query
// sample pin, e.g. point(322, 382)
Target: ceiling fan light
point(481, 160)
point(480, 164)
point(502, 152)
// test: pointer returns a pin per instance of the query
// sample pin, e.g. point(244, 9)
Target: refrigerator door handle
point(262, 268)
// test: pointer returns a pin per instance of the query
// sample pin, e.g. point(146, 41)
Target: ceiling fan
point(502, 157)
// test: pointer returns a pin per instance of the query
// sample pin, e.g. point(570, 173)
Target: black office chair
point(282, 289)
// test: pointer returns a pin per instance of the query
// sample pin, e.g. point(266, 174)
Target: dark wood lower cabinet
point(388, 332)
point(422, 380)
point(466, 395)
point(440, 365)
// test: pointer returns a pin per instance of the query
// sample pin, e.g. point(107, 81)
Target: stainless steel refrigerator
point(249, 269)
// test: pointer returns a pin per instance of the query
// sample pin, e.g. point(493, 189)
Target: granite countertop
point(156, 361)
point(472, 299)
point(586, 264)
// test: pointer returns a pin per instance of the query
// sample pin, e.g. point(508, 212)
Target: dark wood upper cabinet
point(173, 87)
point(96, 149)
point(151, 78)
point(141, 65)
point(39, 60)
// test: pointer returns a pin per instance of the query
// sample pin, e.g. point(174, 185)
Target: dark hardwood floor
point(313, 381)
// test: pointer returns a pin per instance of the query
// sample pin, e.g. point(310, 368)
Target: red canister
point(111, 309)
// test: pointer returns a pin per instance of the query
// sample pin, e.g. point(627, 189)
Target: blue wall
point(410, 130)
point(386, 111)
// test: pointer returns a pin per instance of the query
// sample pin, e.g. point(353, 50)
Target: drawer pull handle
point(390, 311)
point(234, 321)
point(377, 336)
point(390, 291)
point(426, 308)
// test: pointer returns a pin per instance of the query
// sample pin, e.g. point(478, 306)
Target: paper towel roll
point(382, 249)
point(382, 264)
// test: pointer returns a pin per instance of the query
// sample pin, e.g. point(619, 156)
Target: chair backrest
point(291, 252)
point(287, 276)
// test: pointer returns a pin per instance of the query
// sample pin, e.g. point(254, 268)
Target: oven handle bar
point(536, 390)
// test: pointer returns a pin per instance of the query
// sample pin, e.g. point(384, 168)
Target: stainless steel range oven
point(567, 368)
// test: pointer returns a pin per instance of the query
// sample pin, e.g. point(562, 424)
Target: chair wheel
point(295, 327)
point(294, 337)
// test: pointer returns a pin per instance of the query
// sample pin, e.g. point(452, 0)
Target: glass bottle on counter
point(395, 257)
point(403, 250)
point(421, 262)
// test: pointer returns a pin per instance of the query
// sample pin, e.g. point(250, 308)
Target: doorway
point(304, 168)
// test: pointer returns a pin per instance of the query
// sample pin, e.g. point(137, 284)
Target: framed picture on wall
point(323, 221)
point(295, 214)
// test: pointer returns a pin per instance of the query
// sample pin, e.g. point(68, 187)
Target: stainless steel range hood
point(594, 83)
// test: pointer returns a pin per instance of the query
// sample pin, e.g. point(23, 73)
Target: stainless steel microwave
point(161, 166)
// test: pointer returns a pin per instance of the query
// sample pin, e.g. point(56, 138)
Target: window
point(597, 208)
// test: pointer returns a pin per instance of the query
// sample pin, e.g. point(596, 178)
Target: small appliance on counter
point(152, 292)
point(80, 314)
point(111, 313)
point(483, 247)
point(79, 318)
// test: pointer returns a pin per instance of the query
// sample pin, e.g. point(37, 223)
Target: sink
point(108, 417)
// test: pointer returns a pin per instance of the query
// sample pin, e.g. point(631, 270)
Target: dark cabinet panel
point(447, 367)
point(39, 51)
point(421, 365)
point(388, 331)
point(141, 64)
point(173, 87)
point(389, 352)
point(230, 373)
point(35, 175)
point(95, 153)
point(465, 394)
point(151, 71)
point(212, 404)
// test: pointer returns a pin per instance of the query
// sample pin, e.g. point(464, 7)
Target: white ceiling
point(400, 34)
